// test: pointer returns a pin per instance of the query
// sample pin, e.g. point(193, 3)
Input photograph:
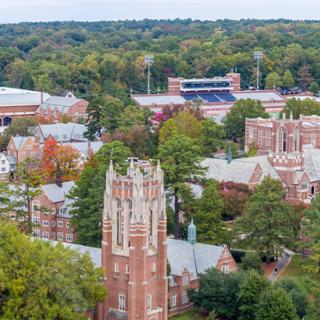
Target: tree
point(41, 281)
point(235, 119)
point(19, 126)
point(94, 127)
point(29, 176)
point(267, 224)
point(111, 107)
point(298, 295)
point(273, 81)
point(89, 190)
point(218, 292)
point(275, 304)
point(251, 261)
point(208, 214)
point(251, 289)
point(305, 107)
point(59, 162)
point(253, 149)
point(304, 77)
point(235, 197)
point(314, 87)
point(311, 230)
point(213, 137)
point(287, 79)
point(180, 158)
point(182, 123)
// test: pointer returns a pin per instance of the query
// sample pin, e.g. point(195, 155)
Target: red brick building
point(56, 107)
point(50, 213)
point(288, 151)
point(23, 147)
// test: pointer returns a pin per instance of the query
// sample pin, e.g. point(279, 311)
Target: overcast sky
point(90, 10)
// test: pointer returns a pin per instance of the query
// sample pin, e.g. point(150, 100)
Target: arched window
point(282, 140)
point(129, 208)
point(151, 226)
point(7, 121)
point(122, 301)
point(119, 222)
point(296, 139)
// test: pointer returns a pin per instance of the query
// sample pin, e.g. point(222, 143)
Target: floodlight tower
point(148, 59)
point(258, 55)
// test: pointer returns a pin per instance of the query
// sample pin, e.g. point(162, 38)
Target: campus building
point(136, 252)
point(215, 96)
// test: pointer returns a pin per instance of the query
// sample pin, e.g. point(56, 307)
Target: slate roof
point(64, 132)
point(95, 253)
point(19, 141)
point(238, 170)
point(82, 147)
point(55, 193)
point(312, 162)
point(196, 259)
point(63, 104)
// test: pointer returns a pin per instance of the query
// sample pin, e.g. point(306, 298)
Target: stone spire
point(192, 233)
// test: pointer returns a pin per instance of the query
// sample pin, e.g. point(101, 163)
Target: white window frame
point(149, 302)
point(127, 269)
point(225, 268)
point(184, 297)
point(116, 267)
point(60, 224)
point(45, 223)
point(60, 236)
point(122, 302)
point(69, 237)
point(68, 225)
point(173, 301)
point(185, 280)
point(45, 235)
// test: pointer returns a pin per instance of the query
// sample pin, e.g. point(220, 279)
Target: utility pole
point(258, 55)
point(148, 59)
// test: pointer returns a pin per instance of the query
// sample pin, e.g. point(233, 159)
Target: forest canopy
point(99, 58)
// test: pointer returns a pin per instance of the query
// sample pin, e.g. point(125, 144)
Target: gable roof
point(238, 170)
point(19, 141)
point(55, 193)
point(64, 132)
point(62, 104)
point(312, 162)
point(195, 259)
point(16, 97)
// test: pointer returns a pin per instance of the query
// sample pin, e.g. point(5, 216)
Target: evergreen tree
point(208, 214)
point(89, 190)
point(180, 158)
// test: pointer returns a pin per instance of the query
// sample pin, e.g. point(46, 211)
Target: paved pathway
point(281, 265)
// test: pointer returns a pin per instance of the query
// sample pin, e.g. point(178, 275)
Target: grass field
point(188, 315)
point(296, 270)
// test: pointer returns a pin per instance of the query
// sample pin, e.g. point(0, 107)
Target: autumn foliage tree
point(59, 162)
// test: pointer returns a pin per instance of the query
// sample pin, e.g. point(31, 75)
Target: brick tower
point(134, 248)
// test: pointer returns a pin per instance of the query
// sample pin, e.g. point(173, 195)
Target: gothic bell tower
point(134, 248)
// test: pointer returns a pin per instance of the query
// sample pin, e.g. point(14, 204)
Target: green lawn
point(188, 315)
point(296, 270)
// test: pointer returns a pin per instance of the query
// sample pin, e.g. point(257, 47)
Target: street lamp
point(148, 59)
point(258, 55)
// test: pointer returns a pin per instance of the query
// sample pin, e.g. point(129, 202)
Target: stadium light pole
point(258, 55)
point(148, 59)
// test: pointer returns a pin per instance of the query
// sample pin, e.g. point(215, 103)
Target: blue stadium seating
point(209, 97)
point(190, 97)
point(226, 96)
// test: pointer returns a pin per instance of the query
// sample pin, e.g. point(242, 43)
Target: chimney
point(59, 178)
point(41, 95)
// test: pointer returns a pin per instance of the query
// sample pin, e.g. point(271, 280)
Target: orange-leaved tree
point(59, 162)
